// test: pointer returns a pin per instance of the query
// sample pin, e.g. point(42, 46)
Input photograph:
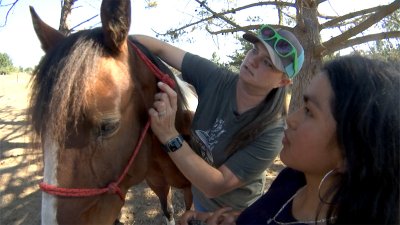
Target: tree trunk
point(308, 33)
point(66, 9)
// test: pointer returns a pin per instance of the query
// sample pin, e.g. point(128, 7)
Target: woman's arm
point(211, 181)
point(168, 53)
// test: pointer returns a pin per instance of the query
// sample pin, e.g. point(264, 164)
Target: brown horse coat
point(89, 102)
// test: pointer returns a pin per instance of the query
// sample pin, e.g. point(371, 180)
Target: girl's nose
point(255, 60)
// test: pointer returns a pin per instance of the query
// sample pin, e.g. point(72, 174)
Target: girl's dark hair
point(366, 108)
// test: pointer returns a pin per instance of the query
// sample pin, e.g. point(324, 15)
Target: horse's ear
point(116, 20)
point(48, 36)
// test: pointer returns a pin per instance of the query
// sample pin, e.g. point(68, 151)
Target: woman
point(341, 150)
point(239, 122)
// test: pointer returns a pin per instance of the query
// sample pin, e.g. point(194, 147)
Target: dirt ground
point(20, 168)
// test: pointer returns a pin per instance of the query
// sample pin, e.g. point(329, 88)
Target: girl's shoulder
point(289, 176)
point(284, 186)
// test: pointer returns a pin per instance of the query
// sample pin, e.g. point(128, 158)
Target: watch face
point(174, 144)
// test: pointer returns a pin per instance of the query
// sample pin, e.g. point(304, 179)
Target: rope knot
point(113, 188)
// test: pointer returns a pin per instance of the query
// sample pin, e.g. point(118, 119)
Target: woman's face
point(310, 142)
point(258, 70)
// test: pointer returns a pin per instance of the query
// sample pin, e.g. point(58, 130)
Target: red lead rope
point(113, 187)
point(158, 73)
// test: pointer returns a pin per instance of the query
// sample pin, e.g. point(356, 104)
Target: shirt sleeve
point(199, 72)
point(251, 161)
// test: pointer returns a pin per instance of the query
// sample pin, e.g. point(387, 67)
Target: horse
point(90, 96)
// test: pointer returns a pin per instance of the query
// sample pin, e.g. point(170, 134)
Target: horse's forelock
point(61, 82)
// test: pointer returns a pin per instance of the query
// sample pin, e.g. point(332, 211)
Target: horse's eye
point(107, 128)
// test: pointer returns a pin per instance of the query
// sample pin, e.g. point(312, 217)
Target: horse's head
point(88, 107)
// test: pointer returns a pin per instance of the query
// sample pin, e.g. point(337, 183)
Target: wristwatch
point(173, 144)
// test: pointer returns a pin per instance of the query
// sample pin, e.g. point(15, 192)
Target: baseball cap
point(276, 45)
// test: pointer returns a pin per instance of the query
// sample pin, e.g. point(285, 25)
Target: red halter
point(113, 187)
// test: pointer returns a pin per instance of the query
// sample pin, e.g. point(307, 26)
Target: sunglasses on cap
point(281, 45)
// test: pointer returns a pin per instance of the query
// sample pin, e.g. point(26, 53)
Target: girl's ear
point(285, 81)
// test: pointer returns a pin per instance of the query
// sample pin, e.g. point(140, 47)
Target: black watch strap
point(173, 144)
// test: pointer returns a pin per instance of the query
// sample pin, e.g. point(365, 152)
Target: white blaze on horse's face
point(49, 202)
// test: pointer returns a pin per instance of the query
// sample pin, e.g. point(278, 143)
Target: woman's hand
point(193, 215)
point(222, 216)
point(163, 113)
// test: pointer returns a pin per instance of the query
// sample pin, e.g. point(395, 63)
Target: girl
point(341, 150)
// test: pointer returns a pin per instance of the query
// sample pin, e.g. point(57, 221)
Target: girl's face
point(258, 70)
point(310, 143)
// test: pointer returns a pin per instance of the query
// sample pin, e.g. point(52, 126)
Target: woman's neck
point(248, 97)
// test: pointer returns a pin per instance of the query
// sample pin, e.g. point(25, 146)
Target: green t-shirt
point(214, 125)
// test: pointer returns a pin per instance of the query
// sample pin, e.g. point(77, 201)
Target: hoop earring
point(320, 184)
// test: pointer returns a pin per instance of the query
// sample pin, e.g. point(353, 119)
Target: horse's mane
point(62, 78)
point(182, 103)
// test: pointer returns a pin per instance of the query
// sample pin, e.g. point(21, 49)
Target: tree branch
point(85, 21)
point(245, 29)
point(372, 19)
point(222, 17)
point(362, 40)
point(337, 20)
point(321, 1)
point(222, 14)
point(12, 5)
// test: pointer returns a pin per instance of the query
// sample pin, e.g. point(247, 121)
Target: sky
point(20, 42)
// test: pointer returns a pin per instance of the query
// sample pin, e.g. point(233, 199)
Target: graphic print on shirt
point(209, 138)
